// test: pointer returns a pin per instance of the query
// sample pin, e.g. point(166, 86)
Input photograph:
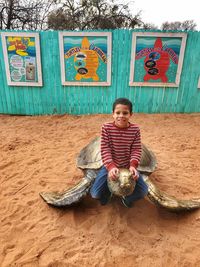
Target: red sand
point(38, 154)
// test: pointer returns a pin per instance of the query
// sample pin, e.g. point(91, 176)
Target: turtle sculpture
point(89, 160)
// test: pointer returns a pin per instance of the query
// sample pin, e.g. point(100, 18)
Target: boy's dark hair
point(123, 101)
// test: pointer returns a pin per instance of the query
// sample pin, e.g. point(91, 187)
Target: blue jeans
point(100, 187)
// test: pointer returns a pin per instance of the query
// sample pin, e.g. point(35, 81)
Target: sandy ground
point(38, 154)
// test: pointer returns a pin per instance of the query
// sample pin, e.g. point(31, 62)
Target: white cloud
point(158, 11)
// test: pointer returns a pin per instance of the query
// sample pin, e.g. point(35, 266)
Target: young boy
point(120, 148)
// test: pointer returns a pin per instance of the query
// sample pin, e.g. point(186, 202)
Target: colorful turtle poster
point(157, 58)
point(85, 58)
point(22, 58)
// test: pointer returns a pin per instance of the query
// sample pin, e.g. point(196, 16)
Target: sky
point(158, 11)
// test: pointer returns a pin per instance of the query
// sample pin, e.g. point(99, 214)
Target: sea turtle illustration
point(89, 160)
point(157, 61)
point(86, 60)
point(19, 45)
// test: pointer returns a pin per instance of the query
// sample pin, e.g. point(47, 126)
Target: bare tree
point(187, 25)
point(149, 26)
point(92, 14)
point(24, 14)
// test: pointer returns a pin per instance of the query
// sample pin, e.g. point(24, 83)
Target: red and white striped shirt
point(120, 147)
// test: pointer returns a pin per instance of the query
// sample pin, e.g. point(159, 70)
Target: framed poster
point(199, 82)
point(157, 59)
point(22, 58)
point(85, 58)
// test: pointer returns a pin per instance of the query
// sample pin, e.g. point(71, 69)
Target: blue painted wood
point(54, 98)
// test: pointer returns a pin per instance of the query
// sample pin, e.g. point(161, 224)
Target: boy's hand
point(114, 174)
point(134, 173)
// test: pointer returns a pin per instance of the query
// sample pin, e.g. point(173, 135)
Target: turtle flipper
point(169, 202)
point(71, 195)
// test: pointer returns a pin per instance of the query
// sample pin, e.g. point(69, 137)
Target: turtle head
point(126, 182)
point(124, 185)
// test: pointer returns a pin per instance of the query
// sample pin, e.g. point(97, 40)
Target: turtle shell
point(90, 158)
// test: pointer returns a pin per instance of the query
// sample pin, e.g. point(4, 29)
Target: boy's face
point(121, 116)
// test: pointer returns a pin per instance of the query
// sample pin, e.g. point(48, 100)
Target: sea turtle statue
point(89, 160)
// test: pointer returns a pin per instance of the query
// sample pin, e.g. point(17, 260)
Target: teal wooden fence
point(54, 98)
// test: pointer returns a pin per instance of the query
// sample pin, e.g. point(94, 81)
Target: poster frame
point(39, 81)
point(132, 82)
point(62, 61)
